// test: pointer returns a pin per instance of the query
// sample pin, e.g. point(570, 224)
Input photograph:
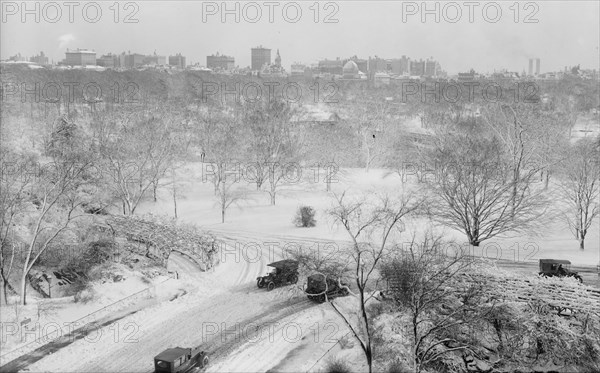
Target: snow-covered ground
point(257, 216)
point(249, 329)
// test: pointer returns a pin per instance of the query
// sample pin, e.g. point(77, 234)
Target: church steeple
point(278, 59)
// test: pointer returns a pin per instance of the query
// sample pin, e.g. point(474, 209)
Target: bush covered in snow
point(305, 217)
point(337, 365)
point(84, 293)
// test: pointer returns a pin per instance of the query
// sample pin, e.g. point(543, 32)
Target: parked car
point(559, 268)
point(180, 360)
point(284, 272)
point(319, 285)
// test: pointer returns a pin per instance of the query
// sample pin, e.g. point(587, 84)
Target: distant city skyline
point(566, 34)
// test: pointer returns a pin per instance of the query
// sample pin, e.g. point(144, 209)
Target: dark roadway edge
point(63, 341)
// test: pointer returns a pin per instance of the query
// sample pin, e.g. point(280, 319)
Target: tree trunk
point(223, 215)
point(272, 198)
point(4, 292)
point(581, 242)
point(175, 202)
point(24, 287)
point(368, 163)
point(474, 241)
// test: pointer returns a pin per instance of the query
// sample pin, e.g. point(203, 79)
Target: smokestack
point(537, 66)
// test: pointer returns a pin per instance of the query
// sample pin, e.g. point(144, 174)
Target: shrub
point(337, 366)
point(98, 252)
point(84, 292)
point(84, 257)
point(397, 366)
point(305, 217)
point(376, 309)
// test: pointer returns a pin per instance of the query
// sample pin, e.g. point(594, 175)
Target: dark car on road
point(284, 272)
point(319, 286)
point(558, 268)
point(180, 360)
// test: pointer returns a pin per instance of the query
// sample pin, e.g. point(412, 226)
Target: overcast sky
point(566, 32)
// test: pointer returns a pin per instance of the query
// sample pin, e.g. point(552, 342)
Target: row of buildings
point(40, 59)
point(260, 58)
point(85, 57)
point(372, 66)
point(260, 62)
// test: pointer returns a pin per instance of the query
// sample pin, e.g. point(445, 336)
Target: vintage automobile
point(180, 360)
point(558, 268)
point(319, 285)
point(284, 272)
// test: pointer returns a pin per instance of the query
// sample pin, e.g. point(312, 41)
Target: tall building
point(40, 59)
point(334, 67)
point(379, 65)
point(220, 62)
point(401, 66)
point(154, 59)
point(178, 61)
point(259, 57)
point(133, 60)
point(278, 59)
point(417, 68)
point(537, 66)
point(17, 57)
point(108, 60)
point(80, 57)
point(530, 66)
point(121, 61)
point(432, 68)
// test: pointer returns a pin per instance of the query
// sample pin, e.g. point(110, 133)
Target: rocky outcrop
point(158, 239)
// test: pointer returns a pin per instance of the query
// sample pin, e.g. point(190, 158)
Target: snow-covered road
point(222, 311)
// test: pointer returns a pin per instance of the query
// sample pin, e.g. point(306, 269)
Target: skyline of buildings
point(261, 64)
point(220, 62)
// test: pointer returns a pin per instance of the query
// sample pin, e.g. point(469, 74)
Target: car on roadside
point(557, 268)
point(284, 272)
point(180, 360)
point(320, 288)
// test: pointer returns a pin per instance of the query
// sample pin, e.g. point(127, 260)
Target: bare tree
point(425, 281)
point(580, 187)
point(58, 196)
point(166, 149)
point(275, 144)
point(16, 176)
point(378, 224)
point(513, 127)
point(372, 125)
point(477, 190)
point(228, 196)
point(136, 151)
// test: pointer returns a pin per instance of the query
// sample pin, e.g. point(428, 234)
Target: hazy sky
point(566, 32)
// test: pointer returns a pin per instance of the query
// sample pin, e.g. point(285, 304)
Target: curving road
point(223, 308)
